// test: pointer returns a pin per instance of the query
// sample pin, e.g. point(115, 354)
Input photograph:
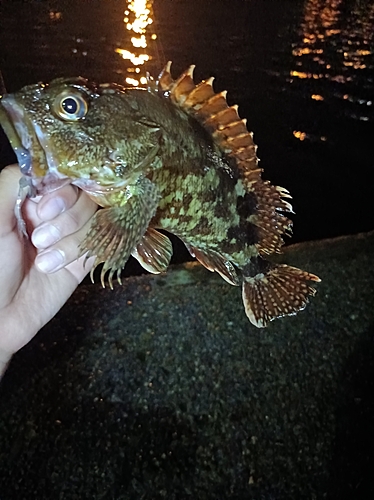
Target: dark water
point(302, 73)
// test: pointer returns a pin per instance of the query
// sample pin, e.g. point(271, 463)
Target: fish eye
point(70, 106)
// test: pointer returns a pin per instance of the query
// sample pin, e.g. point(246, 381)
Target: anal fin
point(154, 251)
point(215, 262)
point(280, 291)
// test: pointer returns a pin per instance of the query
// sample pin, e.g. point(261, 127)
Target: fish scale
point(172, 156)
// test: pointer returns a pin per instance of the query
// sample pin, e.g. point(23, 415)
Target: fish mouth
point(37, 161)
point(30, 145)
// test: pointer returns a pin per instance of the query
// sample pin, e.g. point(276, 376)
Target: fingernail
point(45, 236)
point(50, 261)
point(52, 208)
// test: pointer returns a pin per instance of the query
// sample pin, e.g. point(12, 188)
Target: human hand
point(38, 276)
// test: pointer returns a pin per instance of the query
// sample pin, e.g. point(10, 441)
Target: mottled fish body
point(172, 156)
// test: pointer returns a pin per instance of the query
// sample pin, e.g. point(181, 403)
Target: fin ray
point(213, 261)
point(154, 251)
point(212, 111)
point(282, 290)
point(117, 230)
point(269, 219)
point(230, 134)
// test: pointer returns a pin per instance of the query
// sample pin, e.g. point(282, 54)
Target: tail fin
point(280, 291)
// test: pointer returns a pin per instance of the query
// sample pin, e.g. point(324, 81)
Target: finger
point(57, 256)
point(9, 179)
point(53, 204)
point(47, 207)
point(69, 222)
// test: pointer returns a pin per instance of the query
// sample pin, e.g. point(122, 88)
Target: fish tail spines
point(280, 291)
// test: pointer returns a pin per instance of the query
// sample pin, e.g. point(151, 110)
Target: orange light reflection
point(138, 17)
point(344, 39)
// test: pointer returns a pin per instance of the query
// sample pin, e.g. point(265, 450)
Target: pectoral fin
point(117, 230)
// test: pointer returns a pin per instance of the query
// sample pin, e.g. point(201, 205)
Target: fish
point(171, 156)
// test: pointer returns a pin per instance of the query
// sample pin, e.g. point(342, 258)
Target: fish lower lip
point(11, 119)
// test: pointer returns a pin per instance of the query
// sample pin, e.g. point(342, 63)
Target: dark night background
point(301, 71)
point(162, 388)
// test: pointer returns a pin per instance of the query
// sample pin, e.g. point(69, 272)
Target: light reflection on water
point(302, 72)
point(138, 21)
point(104, 40)
point(335, 53)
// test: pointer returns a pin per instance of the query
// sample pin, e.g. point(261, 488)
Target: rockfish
point(171, 156)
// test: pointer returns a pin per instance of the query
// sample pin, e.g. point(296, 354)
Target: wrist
point(5, 358)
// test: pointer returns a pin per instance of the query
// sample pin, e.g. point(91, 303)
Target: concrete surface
point(163, 389)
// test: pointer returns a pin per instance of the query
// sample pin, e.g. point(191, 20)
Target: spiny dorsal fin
point(231, 135)
point(222, 121)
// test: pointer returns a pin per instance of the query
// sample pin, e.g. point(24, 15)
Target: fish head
point(96, 136)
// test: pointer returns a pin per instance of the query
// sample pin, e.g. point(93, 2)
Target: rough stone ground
point(163, 389)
